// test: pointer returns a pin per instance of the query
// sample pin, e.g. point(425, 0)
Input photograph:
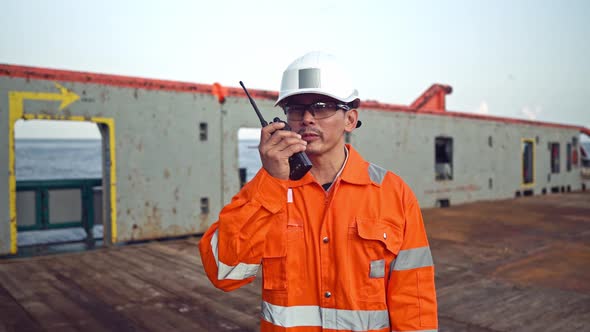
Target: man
point(341, 249)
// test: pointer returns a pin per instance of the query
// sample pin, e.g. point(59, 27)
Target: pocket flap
point(277, 246)
point(387, 233)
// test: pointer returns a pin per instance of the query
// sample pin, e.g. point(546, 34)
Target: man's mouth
point(309, 135)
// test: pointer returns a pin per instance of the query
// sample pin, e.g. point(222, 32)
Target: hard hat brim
point(317, 92)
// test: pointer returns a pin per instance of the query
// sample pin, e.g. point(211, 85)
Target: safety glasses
point(319, 110)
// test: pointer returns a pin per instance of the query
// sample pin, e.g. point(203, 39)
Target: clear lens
point(295, 112)
point(318, 110)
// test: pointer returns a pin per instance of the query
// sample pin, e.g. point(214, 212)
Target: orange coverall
point(355, 258)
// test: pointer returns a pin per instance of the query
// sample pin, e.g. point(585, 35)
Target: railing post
point(88, 212)
point(44, 207)
point(38, 208)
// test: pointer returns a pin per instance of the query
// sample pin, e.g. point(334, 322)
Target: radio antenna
point(262, 121)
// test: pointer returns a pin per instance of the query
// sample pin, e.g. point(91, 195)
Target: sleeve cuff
point(270, 191)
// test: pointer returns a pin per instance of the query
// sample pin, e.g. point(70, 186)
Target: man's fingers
point(288, 141)
point(277, 151)
point(293, 149)
point(281, 144)
point(267, 131)
point(284, 149)
point(280, 139)
point(281, 135)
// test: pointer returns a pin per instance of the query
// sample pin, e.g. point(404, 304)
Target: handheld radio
point(299, 163)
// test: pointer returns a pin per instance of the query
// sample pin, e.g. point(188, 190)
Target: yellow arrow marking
point(16, 111)
point(65, 96)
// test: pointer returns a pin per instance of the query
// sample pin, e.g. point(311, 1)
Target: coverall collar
point(355, 171)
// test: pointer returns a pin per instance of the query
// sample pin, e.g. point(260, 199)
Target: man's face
point(323, 132)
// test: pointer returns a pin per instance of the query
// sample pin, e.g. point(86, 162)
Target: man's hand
point(276, 146)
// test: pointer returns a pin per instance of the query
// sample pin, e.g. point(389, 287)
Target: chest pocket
point(284, 250)
point(274, 259)
point(374, 233)
point(372, 243)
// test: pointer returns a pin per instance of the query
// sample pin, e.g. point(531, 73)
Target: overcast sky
point(521, 59)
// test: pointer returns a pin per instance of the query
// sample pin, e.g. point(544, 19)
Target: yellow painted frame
point(522, 183)
point(16, 112)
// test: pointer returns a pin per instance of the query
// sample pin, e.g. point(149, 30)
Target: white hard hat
point(319, 73)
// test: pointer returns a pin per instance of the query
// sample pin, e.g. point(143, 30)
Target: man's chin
point(311, 150)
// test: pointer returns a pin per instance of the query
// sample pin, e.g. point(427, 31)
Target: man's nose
point(308, 117)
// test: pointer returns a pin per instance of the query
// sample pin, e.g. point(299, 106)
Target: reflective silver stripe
point(377, 269)
point(238, 272)
point(309, 78)
point(412, 259)
point(377, 173)
point(328, 318)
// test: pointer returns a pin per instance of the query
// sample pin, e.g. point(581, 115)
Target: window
point(575, 151)
point(554, 148)
point(528, 169)
point(568, 157)
point(443, 158)
point(203, 131)
point(204, 205)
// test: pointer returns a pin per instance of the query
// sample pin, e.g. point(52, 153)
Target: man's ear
point(352, 117)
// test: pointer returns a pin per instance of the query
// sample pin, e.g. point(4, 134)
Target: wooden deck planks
point(516, 265)
point(14, 317)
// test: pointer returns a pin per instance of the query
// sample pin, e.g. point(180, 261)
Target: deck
point(515, 265)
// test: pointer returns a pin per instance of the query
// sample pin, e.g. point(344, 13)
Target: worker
point(343, 248)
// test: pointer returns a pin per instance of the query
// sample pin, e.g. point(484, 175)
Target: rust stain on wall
point(466, 188)
point(203, 222)
point(151, 227)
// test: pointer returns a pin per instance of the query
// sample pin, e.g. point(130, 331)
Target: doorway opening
point(62, 178)
point(248, 156)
